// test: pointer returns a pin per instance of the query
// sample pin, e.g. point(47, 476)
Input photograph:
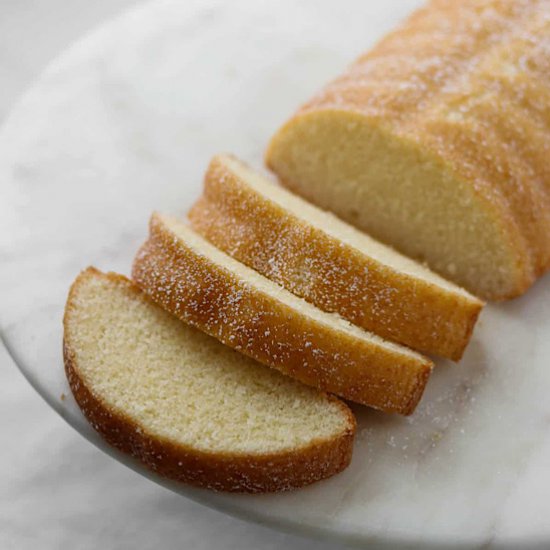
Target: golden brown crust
point(217, 471)
point(467, 82)
point(212, 298)
point(338, 278)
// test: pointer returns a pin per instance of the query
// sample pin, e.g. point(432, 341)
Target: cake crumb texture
point(188, 407)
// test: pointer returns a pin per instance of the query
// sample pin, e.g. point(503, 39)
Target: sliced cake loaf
point(437, 142)
point(203, 286)
point(329, 263)
point(188, 407)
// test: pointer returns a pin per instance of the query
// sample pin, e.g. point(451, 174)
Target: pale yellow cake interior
point(180, 384)
point(387, 187)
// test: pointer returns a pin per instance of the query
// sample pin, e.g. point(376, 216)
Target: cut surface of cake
point(188, 407)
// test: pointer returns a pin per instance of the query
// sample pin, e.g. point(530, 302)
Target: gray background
point(57, 490)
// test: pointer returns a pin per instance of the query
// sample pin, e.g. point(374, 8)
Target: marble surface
point(125, 123)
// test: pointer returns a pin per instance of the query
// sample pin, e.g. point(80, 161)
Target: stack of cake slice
point(289, 287)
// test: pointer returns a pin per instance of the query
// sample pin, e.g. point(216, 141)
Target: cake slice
point(188, 407)
point(203, 286)
point(329, 263)
point(436, 142)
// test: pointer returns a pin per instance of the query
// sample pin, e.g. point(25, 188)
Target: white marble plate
point(124, 123)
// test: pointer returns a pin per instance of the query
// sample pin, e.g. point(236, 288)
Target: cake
point(327, 262)
point(436, 142)
point(203, 286)
point(188, 407)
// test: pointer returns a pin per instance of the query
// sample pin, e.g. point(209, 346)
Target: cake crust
point(205, 294)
